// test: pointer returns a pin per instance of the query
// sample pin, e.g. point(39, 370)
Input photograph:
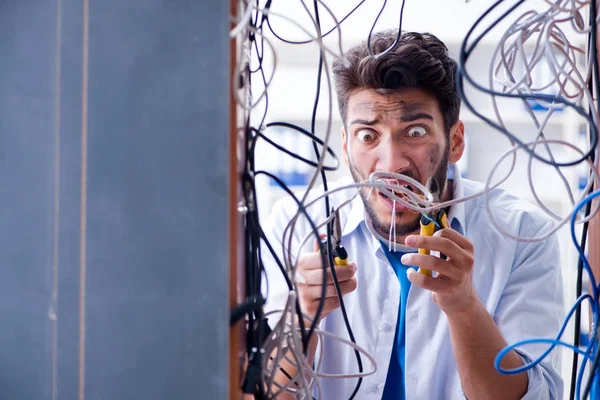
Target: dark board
point(113, 213)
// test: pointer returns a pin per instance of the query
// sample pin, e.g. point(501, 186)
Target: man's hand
point(309, 277)
point(474, 349)
point(452, 288)
point(310, 284)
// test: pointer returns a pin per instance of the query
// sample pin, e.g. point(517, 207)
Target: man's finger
point(432, 263)
point(444, 245)
point(310, 261)
point(314, 292)
point(455, 237)
point(342, 272)
point(310, 307)
point(424, 281)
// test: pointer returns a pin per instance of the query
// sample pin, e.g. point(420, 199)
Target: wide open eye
point(417, 131)
point(365, 135)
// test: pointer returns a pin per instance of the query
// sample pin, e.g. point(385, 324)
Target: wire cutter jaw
point(339, 252)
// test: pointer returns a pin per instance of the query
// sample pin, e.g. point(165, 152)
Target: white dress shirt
point(519, 283)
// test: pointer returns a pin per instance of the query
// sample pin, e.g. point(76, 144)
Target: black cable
point(252, 37)
point(309, 41)
point(313, 121)
point(248, 234)
point(579, 290)
point(396, 40)
point(250, 305)
point(304, 336)
point(327, 212)
point(254, 234)
point(579, 282)
point(254, 337)
point(287, 375)
point(264, 237)
point(253, 378)
point(465, 54)
point(596, 80)
point(256, 323)
point(313, 227)
point(593, 373)
point(266, 96)
point(272, 251)
point(312, 136)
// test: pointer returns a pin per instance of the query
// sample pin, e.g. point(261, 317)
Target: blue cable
point(554, 342)
point(591, 349)
point(430, 219)
point(586, 265)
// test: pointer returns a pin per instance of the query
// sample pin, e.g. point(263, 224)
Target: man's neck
point(449, 191)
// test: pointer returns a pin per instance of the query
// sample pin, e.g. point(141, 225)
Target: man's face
point(402, 133)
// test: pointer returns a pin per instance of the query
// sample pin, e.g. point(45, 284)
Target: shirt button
point(414, 317)
point(412, 378)
point(386, 327)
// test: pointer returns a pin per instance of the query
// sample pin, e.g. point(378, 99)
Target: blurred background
point(294, 86)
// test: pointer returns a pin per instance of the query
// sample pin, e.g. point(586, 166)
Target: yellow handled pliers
point(433, 221)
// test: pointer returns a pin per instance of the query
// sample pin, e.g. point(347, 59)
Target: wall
point(113, 141)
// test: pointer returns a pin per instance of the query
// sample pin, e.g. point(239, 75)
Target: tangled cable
point(574, 85)
point(535, 39)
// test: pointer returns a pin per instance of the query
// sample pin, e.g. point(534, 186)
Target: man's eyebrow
point(415, 116)
point(364, 121)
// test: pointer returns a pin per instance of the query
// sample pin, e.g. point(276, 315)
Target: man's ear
point(344, 145)
point(457, 141)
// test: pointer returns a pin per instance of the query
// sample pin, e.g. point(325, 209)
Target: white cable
point(286, 333)
point(304, 384)
point(559, 225)
point(527, 78)
point(392, 226)
point(319, 226)
point(550, 48)
point(238, 69)
point(337, 26)
point(244, 21)
point(540, 128)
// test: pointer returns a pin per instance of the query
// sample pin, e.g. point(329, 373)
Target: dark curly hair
point(419, 60)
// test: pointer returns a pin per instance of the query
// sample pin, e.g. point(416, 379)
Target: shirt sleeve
point(531, 306)
point(274, 287)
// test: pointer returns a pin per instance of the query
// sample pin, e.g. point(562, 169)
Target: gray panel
point(155, 299)
point(26, 195)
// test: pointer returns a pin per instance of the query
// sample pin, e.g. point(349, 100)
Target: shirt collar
point(356, 215)
point(456, 214)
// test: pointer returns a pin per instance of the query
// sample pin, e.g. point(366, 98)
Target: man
point(432, 337)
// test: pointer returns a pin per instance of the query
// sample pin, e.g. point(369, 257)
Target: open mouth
point(400, 193)
point(393, 203)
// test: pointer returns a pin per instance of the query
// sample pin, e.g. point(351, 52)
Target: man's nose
point(393, 158)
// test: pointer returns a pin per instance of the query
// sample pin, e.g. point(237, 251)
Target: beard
point(408, 221)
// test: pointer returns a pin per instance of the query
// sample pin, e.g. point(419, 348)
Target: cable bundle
point(544, 30)
point(534, 39)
